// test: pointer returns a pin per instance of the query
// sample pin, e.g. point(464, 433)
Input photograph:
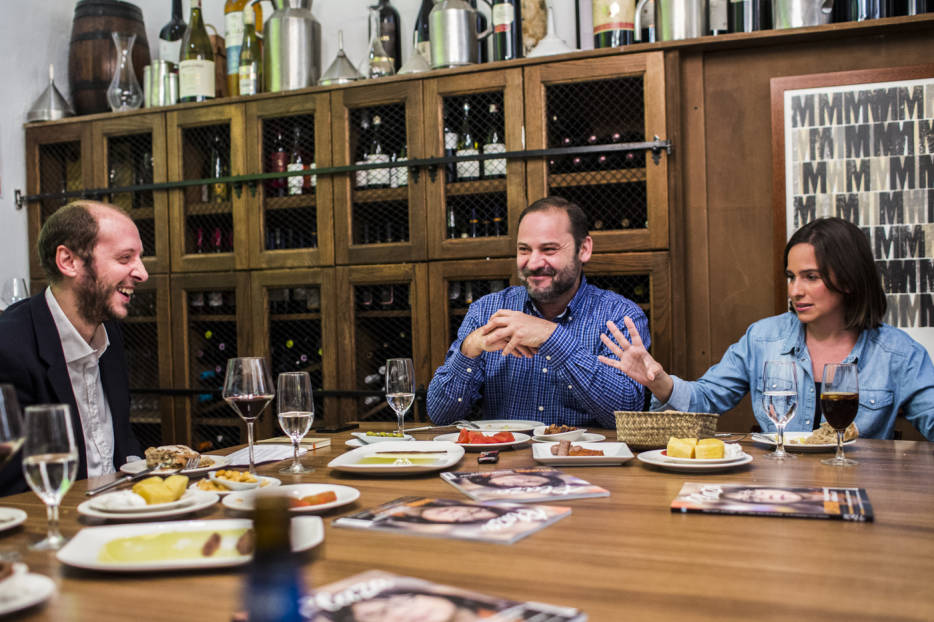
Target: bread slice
point(170, 456)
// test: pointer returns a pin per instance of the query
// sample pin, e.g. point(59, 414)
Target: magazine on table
point(851, 504)
point(522, 485)
point(378, 595)
point(503, 523)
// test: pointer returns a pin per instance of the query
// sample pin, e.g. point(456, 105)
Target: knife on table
point(121, 480)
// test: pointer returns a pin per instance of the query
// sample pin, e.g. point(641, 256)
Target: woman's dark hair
point(846, 264)
point(418, 520)
point(575, 214)
point(485, 479)
point(474, 605)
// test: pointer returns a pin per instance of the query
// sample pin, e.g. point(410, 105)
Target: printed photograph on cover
point(522, 485)
point(806, 502)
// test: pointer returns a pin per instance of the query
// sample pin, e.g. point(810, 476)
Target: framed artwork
point(859, 145)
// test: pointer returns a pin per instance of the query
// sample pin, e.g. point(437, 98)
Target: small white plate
point(219, 462)
point(244, 501)
point(770, 441)
point(521, 439)
point(83, 550)
point(699, 460)
point(199, 499)
point(264, 483)
point(11, 517)
point(655, 458)
point(99, 504)
point(369, 440)
point(448, 455)
point(613, 453)
point(587, 437)
point(503, 425)
point(24, 589)
point(571, 435)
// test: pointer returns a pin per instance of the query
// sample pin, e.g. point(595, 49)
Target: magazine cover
point(522, 485)
point(504, 523)
point(816, 502)
point(377, 596)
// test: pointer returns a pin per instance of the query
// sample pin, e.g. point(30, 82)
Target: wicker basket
point(648, 430)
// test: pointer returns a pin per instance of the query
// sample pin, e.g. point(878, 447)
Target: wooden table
point(617, 558)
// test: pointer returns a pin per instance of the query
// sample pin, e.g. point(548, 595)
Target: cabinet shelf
point(146, 416)
point(209, 317)
point(482, 186)
point(291, 317)
point(386, 313)
point(297, 201)
point(218, 421)
point(598, 177)
point(201, 209)
point(142, 213)
point(374, 195)
point(140, 319)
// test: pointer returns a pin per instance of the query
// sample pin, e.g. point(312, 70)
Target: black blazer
point(32, 360)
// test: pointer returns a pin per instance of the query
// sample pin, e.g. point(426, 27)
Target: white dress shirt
point(93, 409)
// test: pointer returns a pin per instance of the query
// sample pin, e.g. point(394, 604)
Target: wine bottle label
point(196, 78)
point(424, 48)
point(295, 183)
point(402, 174)
point(233, 39)
point(170, 50)
point(450, 140)
point(378, 176)
point(468, 170)
point(362, 177)
point(312, 179)
point(497, 166)
point(613, 15)
point(717, 16)
point(248, 79)
point(504, 16)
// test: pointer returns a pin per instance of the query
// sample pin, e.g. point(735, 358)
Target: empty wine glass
point(780, 392)
point(400, 387)
point(296, 412)
point(839, 401)
point(50, 462)
point(14, 290)
point(248, 389)
point(11, 424)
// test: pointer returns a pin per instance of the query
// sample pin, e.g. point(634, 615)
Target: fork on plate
point(126, 479)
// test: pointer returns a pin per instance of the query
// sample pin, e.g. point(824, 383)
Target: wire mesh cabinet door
point(602, 101)
point(208, 223)
point(291, 218)
point(473, 204)
point(130, 151)
point(379, 209)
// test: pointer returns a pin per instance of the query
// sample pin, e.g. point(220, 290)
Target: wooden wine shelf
point(210, 317)
point(387, 313)
point(482, 186)
point(598, 177)
point(140, 319)
point(147, 416)
point(203, 209)
point(381, 194)
point(299, 201)
point(293, 317)
point(142, 213)
point(233, 422)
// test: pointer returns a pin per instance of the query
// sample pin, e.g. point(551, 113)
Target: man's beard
point(561, 283)
point(93, 297)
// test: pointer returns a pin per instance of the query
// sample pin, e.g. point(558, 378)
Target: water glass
point(11, 424)
point(248, 389)
point(14, 290)
point(839, 402)
point(296, 412)
point(400, 387)
point(780, 393)
point(50, 462)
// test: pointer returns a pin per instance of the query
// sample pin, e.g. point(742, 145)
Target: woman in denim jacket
point(837, 306)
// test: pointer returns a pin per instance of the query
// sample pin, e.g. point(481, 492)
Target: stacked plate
point(660, 458)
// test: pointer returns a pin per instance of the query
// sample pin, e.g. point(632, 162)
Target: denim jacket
point(894, 370)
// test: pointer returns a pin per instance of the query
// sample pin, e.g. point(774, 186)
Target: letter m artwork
point(805, 210)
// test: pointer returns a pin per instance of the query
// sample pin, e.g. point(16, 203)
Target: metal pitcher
point(797, 13)
point(675, 19)
point(290, 51)
point(452, 28)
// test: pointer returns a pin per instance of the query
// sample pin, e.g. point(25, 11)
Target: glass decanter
point(124, 92)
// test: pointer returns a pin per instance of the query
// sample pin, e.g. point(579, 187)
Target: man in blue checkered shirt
point(531, 352)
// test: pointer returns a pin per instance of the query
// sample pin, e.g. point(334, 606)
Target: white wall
point(41, 37)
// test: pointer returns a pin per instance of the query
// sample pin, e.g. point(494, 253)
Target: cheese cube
point(177, 485)
point(680, 448)
point(709, 448)
point(153, 490)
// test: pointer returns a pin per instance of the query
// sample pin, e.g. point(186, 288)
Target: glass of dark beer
point(839, 401)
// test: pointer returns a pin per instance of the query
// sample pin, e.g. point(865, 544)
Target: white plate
point(613, 453)
point(200, 499)
point(369, 440)
point(83, 550)
point(699, 460)
point(345, 494)
point(503, 425)
point(769, 440)
point(265, 483)
point(350, 461)
point(655, 458)
point(572, 435)
point(99, 504)
point(11, 517)
point(521, 439)
point(140, 465)
point(27, 589)
point(587, 437)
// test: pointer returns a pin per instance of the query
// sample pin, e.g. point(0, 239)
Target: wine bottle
point(450, 150)
point(752, 15)
point(217, 240)
point(507, 29)
point(474, 223)
point(648, 22)
point(297, 184)
point(452, 223)
point(467, 146)
point(402, 171)
point(362, 177)
point(250, 63)
point(422, 40)
point(499, 221)
point(196, 60)
point(717, 20)
point(494, 144)
point(389, 32)
point(220, 191)
point(468, 292)
point(143, 175)
point(170, 37)
point(378, 177)
point(278, 163)
point(274, 588)
point(234, 31)
point(380, 62)
point(483, 54)
point(613, 22)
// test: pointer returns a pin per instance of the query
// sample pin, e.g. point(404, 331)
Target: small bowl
point(572, 435)
point(369, 439)
point(232, 485)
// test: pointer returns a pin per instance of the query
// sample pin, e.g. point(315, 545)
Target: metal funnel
point(50, 105)
point(341, 70)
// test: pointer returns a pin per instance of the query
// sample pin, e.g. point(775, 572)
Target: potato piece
point(153, 490)
point(680, 448)
point(177, 484)
point(709, 448)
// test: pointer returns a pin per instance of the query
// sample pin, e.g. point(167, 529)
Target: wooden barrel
point(92, 57)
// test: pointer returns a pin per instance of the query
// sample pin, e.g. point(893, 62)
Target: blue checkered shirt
point(563, 383)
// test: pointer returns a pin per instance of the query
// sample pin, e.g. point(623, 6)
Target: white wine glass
point(248, 389)
point(14, 290)
point(839, 403)
point(296, 412)
point(50, 462)
point(400, 387)
point(780, 393)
